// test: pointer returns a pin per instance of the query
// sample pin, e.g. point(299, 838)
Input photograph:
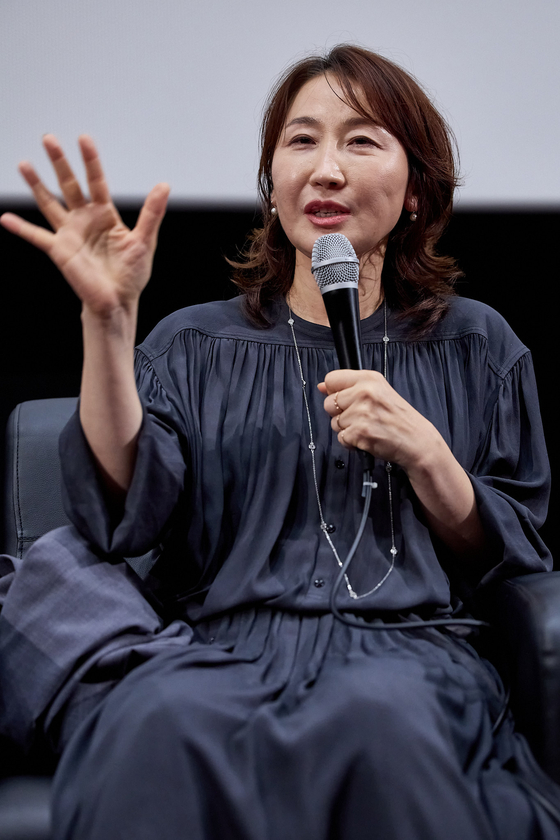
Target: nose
point(327, 171)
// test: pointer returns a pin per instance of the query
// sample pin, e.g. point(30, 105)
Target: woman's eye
point(301, 140)
point(363, 141)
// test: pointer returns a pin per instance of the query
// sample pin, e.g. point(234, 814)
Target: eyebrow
point(351, 122)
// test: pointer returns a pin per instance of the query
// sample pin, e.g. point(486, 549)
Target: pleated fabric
point(273, 725)
point(249, 712)
point(224, 459)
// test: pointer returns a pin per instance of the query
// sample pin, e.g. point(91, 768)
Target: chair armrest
point(25, 808)
point(526, 612)
point(33, 498)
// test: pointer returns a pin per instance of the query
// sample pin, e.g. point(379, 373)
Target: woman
point(275, 719)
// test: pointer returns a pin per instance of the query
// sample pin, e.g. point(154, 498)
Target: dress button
point(318, 582)
point(339, 464)
point(330, 529)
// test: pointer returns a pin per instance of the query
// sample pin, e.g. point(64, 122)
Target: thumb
point(152, 212)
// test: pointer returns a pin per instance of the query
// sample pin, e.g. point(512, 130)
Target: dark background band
point(508, 256)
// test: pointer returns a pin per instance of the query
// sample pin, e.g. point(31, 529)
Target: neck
point(306, 300)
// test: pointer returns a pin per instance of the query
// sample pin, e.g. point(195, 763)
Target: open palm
point(105, 262)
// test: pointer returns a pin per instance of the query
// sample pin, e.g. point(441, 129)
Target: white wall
point(173, 90)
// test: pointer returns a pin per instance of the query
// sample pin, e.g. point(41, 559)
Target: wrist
point(431, 455)
point(116, 321)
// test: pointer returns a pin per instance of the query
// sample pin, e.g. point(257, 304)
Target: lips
point(333, 207)
point(326, 213)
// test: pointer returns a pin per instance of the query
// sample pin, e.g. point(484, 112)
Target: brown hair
point(416, 280)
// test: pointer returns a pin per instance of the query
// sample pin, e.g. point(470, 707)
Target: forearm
point(110, 409)
point(447, 497)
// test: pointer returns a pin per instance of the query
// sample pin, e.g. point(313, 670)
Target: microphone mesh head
point(334, 261)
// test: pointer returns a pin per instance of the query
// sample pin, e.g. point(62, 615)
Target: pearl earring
point(413, 216)
point(273, 211)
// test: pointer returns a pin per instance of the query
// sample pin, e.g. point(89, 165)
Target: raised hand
point(105, 262)
point(107, 265)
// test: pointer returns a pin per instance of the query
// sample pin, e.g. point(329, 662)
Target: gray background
point(173, 90)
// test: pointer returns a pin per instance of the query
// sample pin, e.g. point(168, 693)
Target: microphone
point(336, 269)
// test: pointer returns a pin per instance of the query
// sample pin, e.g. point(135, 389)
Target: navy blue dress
point(270, 719)
point(224, 448)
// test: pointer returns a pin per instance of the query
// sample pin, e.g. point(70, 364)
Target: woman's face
point(335, 171)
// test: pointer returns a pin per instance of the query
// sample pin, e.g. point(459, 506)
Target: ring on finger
point(336, 405)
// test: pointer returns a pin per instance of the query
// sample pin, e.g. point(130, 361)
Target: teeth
point(322, 213)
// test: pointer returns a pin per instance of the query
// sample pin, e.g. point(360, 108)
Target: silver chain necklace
point(312, 448)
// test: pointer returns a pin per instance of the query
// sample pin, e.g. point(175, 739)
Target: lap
point(275, 697)
point(297, 722)
point(273, 714)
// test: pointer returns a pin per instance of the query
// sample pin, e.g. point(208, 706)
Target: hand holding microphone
point(380, 419)
point(336, 269)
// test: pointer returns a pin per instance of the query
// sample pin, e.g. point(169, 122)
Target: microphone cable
point(537, 796)
point(397, 625)
point(344, 618)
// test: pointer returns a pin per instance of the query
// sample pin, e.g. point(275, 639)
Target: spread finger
point(47, 203)
point(98, 189)
point(38, 236)
point(71, 190)
point(152, 212)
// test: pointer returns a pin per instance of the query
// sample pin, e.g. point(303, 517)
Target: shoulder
point(219, 319)
point(467, 318)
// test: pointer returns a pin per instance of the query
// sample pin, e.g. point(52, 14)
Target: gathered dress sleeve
point(511, 477)
point(157, 483)
point(225, 431)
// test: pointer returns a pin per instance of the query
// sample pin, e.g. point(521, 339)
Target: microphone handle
point(343, 312)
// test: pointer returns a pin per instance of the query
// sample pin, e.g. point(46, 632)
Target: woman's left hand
point(367, 413)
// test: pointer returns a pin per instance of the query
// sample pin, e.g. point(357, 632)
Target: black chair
point(32, 506)
point(32, 496)
point(524, 610)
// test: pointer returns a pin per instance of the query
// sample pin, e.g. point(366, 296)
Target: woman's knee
point(389, 703)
